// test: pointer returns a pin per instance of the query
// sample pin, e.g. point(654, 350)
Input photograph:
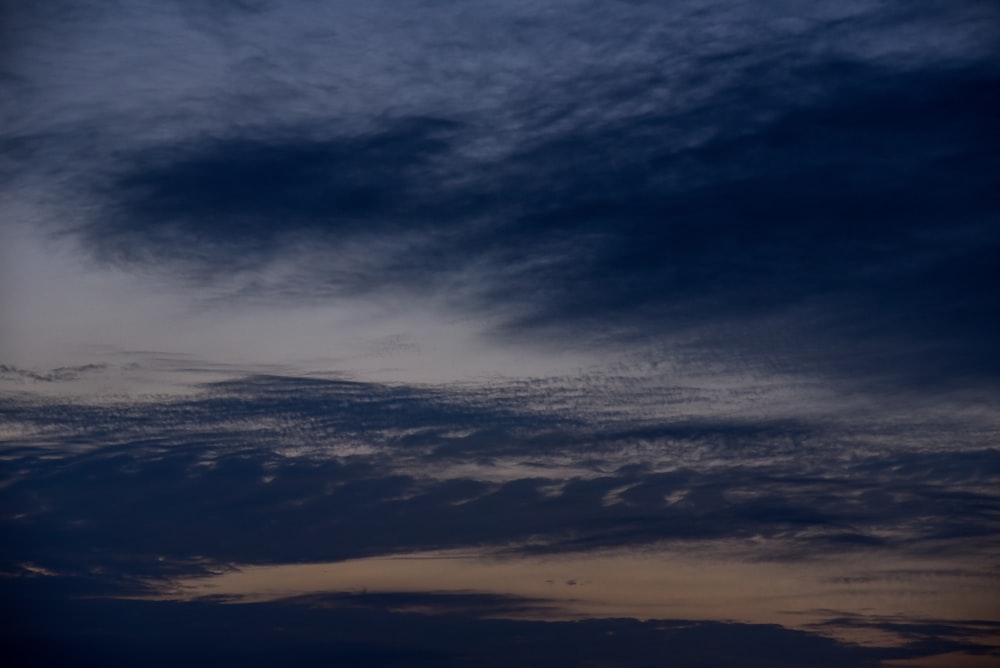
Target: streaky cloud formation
point(794, 188)
point(281, 471)
point(460, 334)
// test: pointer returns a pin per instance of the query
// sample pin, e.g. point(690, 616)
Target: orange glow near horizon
point(688, 584)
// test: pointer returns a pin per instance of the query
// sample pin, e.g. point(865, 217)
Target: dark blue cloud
point(818, 192)
point(112, 499)
point(363, 632)
point(875, 193)
point(220, 202)
point(270, 470)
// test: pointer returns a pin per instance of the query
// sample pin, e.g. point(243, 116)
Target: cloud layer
point(599, 176)
point(532, 282)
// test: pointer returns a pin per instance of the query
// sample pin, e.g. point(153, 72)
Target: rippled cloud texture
point(512, 333)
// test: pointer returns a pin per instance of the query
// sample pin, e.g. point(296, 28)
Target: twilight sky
point(526, 333)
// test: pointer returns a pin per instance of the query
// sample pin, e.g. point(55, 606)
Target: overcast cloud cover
point(551, 292)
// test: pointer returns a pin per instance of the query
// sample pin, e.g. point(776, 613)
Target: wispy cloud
point(316, 282)
point(654, 172)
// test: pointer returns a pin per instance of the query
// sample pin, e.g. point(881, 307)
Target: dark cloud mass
point(765, 236)
point(825, 185)
point(219, 201)
point(332, 470)
point(119, 498)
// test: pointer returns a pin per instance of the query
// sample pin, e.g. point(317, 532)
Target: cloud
point(228, 203)
point(708, 182)
point(327, 469)
point(118, 632)
point(56, 375)
point(123, 498)
point(710, 274)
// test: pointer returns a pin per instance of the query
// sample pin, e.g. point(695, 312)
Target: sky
point(565, 333)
